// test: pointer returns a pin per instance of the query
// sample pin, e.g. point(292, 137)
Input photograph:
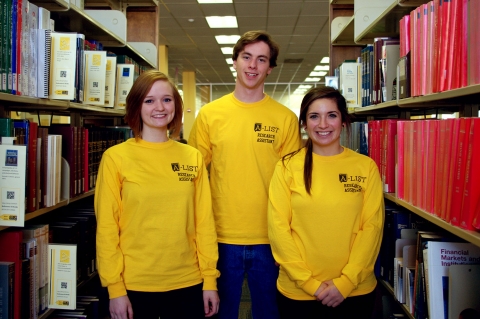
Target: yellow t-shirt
point(334, 234)
point(155, 226)
point(242, 142)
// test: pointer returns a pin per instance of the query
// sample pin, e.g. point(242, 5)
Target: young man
point(242, 136)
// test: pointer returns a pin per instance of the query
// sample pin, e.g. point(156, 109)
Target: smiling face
point(158, 110)
point(253, 66)
point(324, 126)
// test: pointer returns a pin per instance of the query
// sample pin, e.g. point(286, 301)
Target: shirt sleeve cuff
point(210, 283)
point(311, 286)
point(344, 286)
point(117, 290)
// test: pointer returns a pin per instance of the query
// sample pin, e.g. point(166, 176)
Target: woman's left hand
point(211, 302)
point(330, 296)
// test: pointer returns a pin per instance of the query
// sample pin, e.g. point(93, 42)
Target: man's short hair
point(254, 37)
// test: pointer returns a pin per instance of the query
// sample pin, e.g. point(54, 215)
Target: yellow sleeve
point(293, 140)
point(199, 138)
point(284, 249)
point(107, 209)
point(367, 242)
point(206, 235)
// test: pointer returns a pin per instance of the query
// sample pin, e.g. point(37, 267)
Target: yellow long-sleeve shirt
point(155, 226)
point(335, 233)
point(243, 142)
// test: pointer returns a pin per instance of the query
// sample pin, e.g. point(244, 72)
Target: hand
point(211, 302)
point(321, 288)
point(121, 308)
point(330, 296)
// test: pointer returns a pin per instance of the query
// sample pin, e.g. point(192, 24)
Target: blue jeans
point(256, 261)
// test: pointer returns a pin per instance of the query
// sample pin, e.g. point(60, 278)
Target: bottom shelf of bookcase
point(389, 288)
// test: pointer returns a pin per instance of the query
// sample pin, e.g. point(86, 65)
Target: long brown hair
point(324, 92)
point(137, 94)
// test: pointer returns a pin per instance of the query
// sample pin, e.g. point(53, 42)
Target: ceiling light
point(227, 39)
point(227, 50)
point(215, 1)
point(222, 22)
point(325, 60)
point(229, 61)
point(322, 68)
point(234, 74)
point(303, 86)
point(318, 73)
point(232, 69)
point(312, 79)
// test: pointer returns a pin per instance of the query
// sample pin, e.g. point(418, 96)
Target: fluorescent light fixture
point(222, 22)
point(227, 50)
point(322, 68)
point(303, 86)
point(227, 39)
point(312, 79)
point(318, 73)
point(234, 74)
point(232, 69)
point(229, 61)
point(325, 60)
point(215, 1)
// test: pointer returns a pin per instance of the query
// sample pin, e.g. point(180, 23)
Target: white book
point(43, 58)
point(110, 79)
point(62, 65)
point(125, 78)
point(442, 255)
point(43, 18)
point(24, 52)
point(463, 290)
point(32, 18)
point(391, 56)
point(95, 65)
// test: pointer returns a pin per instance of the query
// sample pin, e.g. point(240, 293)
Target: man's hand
point(211, 302)
point(330, 296)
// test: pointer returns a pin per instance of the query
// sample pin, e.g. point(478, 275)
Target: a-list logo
point(185, 173)
point(351, 184)
point(266, 134)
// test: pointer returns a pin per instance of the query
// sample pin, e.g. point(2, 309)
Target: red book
point(11, 243)
point(429, 167)
point(463, 58)
point(473, 43)
point(441, 147)
point(430, 40)
point(85, 161)
point(390, 135)
point(424, 48)
point(400, 185)
point(409, 155)
point(451, 134)
point(437, 44)
point(32, 164)
point(446, 43)
point(417, 176)
point(454, 49)
point(471, 194)
point(458, 181)
point(413, 49)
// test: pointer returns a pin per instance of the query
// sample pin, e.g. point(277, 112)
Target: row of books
point(437, 51)
point(26, 250)
point(431, 164)
point(433, 274)
point(442, 38)
point(80, 148)
point(36, 61)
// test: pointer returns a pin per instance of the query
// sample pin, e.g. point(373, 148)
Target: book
point(33, 46)
point(110, 78)
point(7, 289)
point(30, 251)
point(95, 76)
point(62, 65)
point(442, 255)
point(79, 70)
point(463, 291)
point(11, 243)
point(44, 42)
point(125, 77)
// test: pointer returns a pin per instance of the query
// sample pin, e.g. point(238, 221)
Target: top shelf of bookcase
point(341, 1)
point(470, 236)
point(379, 18)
